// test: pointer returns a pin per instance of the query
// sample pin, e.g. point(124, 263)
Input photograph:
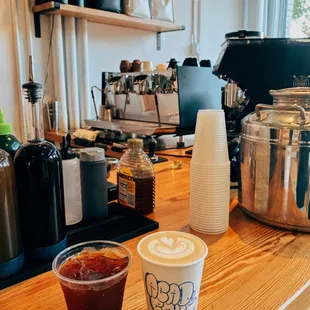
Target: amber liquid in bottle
point(136, 179)
point(144, 196)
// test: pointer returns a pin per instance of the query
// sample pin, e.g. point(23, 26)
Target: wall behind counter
point(108, 45)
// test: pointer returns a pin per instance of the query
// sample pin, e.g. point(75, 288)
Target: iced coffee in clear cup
point(172, 265)
point(93, 274)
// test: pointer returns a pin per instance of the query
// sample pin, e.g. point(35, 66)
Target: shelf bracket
point(158, 41)
point(36, 17)
point(158, 36)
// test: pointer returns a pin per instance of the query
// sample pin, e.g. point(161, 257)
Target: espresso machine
point(157, 106)
point(252, 66)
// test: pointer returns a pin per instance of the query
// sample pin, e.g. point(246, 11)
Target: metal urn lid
point(283, 121)
point(290, 110)
point(289, 96)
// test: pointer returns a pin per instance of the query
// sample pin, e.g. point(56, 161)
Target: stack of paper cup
point(210, 174)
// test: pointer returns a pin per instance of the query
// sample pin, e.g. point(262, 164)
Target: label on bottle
point(126, 190)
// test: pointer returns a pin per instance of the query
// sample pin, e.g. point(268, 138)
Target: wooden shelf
point(105, 17)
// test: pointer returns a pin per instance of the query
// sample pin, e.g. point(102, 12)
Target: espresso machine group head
point(256, 65)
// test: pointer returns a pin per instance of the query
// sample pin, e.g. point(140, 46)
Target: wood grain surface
point(252, 266)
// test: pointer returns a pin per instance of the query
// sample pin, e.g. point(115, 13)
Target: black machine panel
point(198, 89)
point(259, 65)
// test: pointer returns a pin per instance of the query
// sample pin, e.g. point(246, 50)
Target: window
point(298, 18)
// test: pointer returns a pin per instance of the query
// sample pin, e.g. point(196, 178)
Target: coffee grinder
point(253, 65)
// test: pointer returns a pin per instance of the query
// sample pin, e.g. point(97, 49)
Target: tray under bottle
point(121, 225)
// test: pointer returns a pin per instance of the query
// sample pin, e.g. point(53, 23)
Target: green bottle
point(8, 142)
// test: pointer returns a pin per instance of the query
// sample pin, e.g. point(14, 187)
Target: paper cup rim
point(167, 264)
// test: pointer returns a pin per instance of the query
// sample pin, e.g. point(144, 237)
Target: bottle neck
point(135, 149)
point(36, 133)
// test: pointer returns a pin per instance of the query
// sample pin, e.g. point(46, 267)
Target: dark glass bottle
point(40, 190)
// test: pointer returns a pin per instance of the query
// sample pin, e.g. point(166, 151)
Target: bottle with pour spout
point(40, 188)
point(136, 178)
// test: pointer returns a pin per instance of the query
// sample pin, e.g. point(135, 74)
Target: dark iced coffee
point(93, 275)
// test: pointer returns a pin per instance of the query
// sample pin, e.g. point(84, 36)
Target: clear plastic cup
point(94, 294)
point(210, 186)
point(208, 196)
point(213, 189)
point(209, 180)
point(213, 179)
point(207, 174)
point(207, 155)
point(210, 145)
point(210, 166)
point(214, 222)
point(221, 208)
point(203, 216)
point(219, 183)
point(201, 138)
point(206, 199)
point(203, 206)
point(209, 210)
point(217, 223)
point(205, 202)
point(210, 125)
point(209, 231)
point(208, 226)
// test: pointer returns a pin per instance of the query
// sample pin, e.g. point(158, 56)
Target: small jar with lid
point(136, 179)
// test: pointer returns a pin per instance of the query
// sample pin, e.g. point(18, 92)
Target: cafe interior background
point(68, 59)
point(206, 23)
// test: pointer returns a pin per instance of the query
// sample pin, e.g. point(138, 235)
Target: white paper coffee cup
point(172, 266)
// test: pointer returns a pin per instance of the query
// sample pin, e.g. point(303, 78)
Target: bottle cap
point(92, 154)
point(135, 143)
point(5, 128)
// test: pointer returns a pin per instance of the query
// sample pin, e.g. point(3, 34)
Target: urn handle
point(301, 110)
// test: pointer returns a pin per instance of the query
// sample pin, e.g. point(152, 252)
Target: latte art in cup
point(172, 265)
point(172, 247)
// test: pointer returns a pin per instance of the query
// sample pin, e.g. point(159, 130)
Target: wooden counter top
point(252, 266)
